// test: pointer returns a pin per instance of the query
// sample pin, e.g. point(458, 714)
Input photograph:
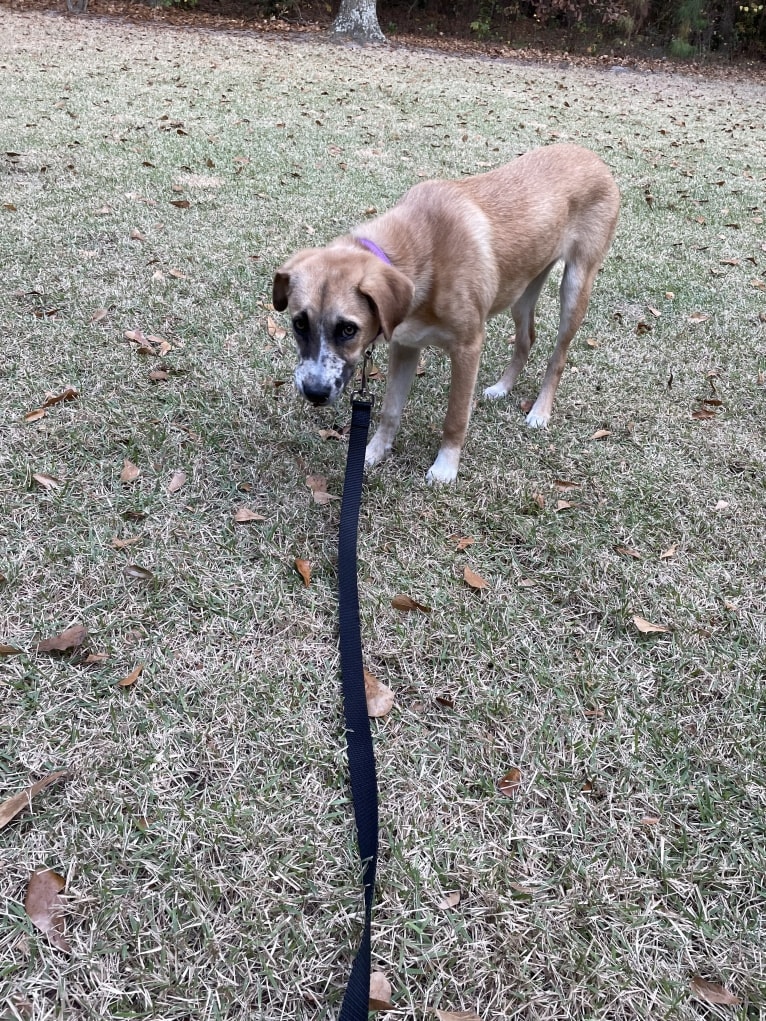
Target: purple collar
point(372, 247)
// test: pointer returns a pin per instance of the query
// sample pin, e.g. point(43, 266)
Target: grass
point(205, 831)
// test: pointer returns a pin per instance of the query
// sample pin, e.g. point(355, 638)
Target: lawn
point(152, 180)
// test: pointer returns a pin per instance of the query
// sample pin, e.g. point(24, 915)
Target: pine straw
point(205, 832)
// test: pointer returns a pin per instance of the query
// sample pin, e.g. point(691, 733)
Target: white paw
point(537, 420)
point(376, 452)
point(444, 468)
point(494, 393)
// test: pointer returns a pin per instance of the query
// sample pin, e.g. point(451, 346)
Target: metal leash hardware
point(362, 393)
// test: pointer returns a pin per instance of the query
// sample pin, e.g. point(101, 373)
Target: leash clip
point(362, 393)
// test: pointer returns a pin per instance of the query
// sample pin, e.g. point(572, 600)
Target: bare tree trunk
point(357, 21)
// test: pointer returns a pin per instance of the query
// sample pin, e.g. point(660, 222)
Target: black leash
point(361, 757)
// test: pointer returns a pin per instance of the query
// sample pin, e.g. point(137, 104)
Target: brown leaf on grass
point(473, 579)
point(44, 907)
point(380, 992)
point(36, 415)
point(70, 638)
point(138, 572)
point(562, 505)
point(130, 472)
point(18, 802)
point(406, 604)
point(449, 900)
point(9, 650)
point(118, 543)
point(159, 375)
point(318, 486)
point(601, 434)
point(462, 541)
point(99, 315)
point(330, 434)
point(628, 551)
point(181, 203)
point(276, 332)
point(303, 567)
point(564, 485)
point(711, 992)
point(669, 553)
point(456, 1015)
point(509, 784)
point(177, 481)
point(67, 394)
point(131, 678)
point(380, 698)
point(46, 481)
point(647, 628)
point(244, 515)
point(699, 317)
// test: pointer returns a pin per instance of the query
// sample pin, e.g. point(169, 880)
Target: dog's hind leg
point(402, 363)
point(576, 285)
point(523, 312)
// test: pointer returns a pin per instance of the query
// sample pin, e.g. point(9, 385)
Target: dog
point(431, 271)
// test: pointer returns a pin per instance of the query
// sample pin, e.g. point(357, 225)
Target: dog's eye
point(300, 324)
point(347, 330)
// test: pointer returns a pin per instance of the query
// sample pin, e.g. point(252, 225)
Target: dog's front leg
point(465, 368)
point(402, 363)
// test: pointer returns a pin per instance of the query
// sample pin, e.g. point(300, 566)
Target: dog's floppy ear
point(280, 289)
point(390, 293)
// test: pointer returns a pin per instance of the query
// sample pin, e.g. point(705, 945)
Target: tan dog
point(434, 268)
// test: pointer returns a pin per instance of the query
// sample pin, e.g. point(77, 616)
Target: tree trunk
point(357, 21)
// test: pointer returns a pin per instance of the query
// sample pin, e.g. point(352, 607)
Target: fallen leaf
point(117, 543)
point(699, 317)
point(527, 583)
point(703, 414)
point(562, 505)
point(130, 472)
point(136, 571)
point(601, 434)
point(380, 992)
point(99, 315)
point(46, 481)
point(318, 486)
point(650, 820)
point(243, 515)
point(136, 235)
point(67, 394)
point(276, 332)
point(722, 505)
point(177, 481)
point(539, 499)
point(159, 375)
point(563, 485)
point(70, 638)
point(669, 552)
point(510, 783)
point(710, 992)
point(462, 541)
point(9, 650)
point(44, 907)
point(180, 203)
point(456, 1015)
point(628, 551)
point(449, 900)
point(131, 678)
point(303, 567)
point(95, 657)
point(380, 698)
point(330, 434)
point(18, 802)
point(474, 580)
point(592, 342)
point(36, 415)
point(406, 604)
point(647, 628)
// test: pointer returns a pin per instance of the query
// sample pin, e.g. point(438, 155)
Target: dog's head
point(340, 299)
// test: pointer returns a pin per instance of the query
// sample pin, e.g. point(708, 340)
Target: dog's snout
point(317, 394)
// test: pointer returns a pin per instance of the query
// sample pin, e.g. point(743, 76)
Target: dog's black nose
point(316, 394)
